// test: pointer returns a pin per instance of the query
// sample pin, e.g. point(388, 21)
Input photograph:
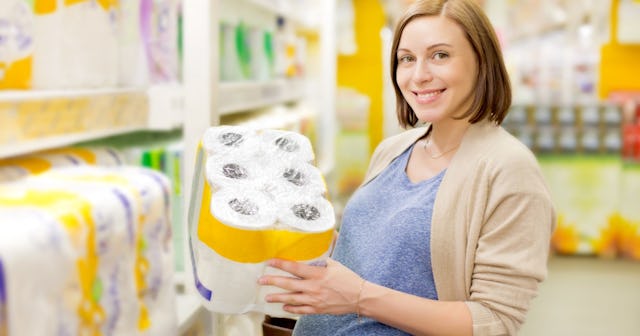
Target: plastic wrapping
point(256, 196)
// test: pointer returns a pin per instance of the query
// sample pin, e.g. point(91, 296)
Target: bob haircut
point(492, 96)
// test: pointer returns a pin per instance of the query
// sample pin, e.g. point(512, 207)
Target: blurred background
point(145, 78)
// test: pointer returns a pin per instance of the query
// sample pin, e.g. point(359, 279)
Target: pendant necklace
point(427, 142)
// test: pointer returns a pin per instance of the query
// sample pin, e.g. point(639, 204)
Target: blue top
point(385, 238)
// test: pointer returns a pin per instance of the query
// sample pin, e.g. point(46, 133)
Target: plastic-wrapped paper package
point(153, 270)
point(256, 196)
point(118, 220)
point(89, 39)
point(159, 34)
point(48, 56)
point(16, 44)
point(37, 274)
point(14, 168)
point(132, 58)
point(106, 288)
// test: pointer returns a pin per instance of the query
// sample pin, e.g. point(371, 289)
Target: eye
point(405, 59)
point(440, 55)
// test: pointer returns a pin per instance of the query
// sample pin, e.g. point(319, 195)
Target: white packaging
point(122, 239)
point(37, 274)
point(16, 44)
point(276, 210)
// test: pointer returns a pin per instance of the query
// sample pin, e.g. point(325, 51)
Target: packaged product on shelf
point(229, 62)
point(37, 268)
point(117, 222)
point(256, 196)
point(29, 164)
point(585, 189)
point(90, 43)
point(48, 60)
point(16, 44)
point(159, 22)
point(132, 58)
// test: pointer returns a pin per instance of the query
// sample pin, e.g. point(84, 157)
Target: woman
point(449, 233)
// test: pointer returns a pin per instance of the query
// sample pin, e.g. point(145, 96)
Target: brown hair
point(492, 96)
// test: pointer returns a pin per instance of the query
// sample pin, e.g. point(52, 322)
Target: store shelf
point(25, 147)
point(38, 120)
point(301, 17)
point(243, 96)
point(7, 96)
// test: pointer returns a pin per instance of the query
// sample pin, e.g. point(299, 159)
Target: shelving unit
point(36, 120)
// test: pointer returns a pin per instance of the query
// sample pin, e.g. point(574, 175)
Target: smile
point(429, 94)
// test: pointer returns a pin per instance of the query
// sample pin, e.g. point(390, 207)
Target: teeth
point(428, 95)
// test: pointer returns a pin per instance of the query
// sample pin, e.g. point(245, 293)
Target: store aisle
point(587, 296)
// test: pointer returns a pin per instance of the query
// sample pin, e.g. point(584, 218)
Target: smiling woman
point(449, 237)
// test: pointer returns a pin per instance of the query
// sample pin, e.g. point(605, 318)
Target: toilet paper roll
point(243, 208)
point(305, 213)
point(249, 245)
point(223, 140)
point(234, 170)
point(298, 178)
point(287, 145)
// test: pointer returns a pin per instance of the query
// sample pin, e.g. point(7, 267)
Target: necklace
point(427, 142)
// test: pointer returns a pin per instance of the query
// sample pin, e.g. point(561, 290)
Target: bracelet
point(359, 296)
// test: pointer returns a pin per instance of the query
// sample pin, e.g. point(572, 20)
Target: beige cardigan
point(491, 226)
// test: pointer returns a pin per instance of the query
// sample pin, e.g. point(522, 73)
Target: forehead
point(430, 30)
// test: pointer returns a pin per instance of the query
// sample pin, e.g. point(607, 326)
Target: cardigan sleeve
point(512, 245)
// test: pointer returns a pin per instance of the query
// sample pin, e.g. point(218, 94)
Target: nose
point(422, 72)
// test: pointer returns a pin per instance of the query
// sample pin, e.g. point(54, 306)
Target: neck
point(447, 136)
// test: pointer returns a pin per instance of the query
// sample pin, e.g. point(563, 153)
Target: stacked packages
point(256, 196)
point(86, 250)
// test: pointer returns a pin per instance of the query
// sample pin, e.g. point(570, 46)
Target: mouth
point(428, 94)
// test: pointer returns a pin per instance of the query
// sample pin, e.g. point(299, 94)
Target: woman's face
point(437, 68)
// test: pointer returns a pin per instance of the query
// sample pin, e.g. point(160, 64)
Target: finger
point(298, 269)
point(300, 310)
point(287, 283)
point(297, 303)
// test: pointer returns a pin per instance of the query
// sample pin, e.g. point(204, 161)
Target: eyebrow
point(431, 47)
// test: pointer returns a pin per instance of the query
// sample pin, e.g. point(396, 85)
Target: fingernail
point(262, 280)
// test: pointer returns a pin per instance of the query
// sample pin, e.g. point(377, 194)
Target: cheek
point(403, 78)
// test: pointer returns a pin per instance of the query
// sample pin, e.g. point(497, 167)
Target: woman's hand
point(333, 289)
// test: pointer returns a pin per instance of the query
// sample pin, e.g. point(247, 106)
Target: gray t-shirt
point(385, 238)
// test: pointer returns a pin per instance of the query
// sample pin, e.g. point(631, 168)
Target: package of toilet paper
point(16, 44)
point(89, 40)
point(256, 196)
point(152, 237)
point(33, 247)
point(14, 168)
point(117, 223)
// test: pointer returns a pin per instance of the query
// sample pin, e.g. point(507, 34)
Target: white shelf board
point(247, 95)
point(33, 95)
point(301, 17)
point(25, 147)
